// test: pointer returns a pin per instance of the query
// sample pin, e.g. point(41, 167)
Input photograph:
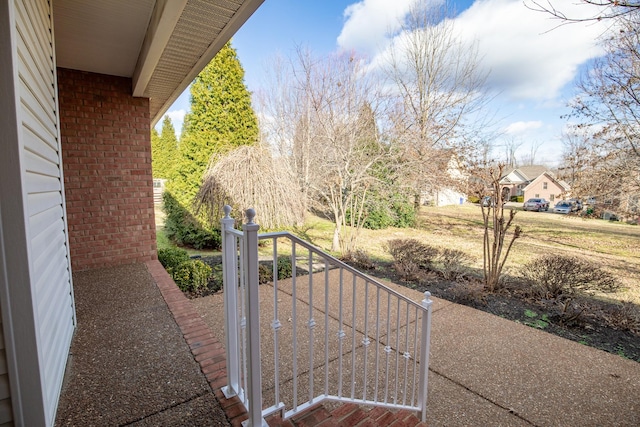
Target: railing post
point(230, 287)
point(250, 230)
point(424, 356)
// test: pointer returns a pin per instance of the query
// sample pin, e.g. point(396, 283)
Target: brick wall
point(106, 153)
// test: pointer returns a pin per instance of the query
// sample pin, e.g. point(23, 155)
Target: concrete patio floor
point(145, 355)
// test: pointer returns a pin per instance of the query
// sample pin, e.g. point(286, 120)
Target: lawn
point(614, 246)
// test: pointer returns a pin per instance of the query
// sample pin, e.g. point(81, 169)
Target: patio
point(145, 355)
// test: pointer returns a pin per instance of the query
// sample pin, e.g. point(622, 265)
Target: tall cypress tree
point(164, 149)
point(221, 118)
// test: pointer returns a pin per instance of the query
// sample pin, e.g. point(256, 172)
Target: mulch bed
point(588, 320)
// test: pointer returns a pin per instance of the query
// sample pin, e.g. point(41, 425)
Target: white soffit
point(161, 44)
point(100, 36)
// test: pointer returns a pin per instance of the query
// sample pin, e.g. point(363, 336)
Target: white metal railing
point(334, 333)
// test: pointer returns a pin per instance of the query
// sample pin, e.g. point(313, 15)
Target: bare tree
point(497, 240)
point(511, 146)
point(608, 107)
point(322, 117)
point(438, 84)
point(604, 9)
point(530, 157)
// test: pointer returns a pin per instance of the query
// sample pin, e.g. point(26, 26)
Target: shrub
point(170, 258)
point(453, 263)
point(551, 276)
point(192, 275)
point(388, 211)
point(359, 259)
point(185, 230)
point(473, 199)
point(405, 214)
point(625, 317)
point(284, 266)
point(411, 256)
point(412, 250)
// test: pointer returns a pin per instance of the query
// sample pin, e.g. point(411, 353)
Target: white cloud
point(176, 116)
point(368, 22)
point(518, 128)
point(527, 57)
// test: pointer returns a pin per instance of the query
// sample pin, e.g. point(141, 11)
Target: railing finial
point(227, 211)
point(251, 214)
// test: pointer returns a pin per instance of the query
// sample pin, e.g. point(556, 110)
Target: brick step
point(349, 415)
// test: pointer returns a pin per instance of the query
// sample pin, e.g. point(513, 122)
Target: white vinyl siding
point(44, 193)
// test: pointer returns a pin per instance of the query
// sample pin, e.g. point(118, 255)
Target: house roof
point(522, 174)
point(161, 45)
point(560, 183)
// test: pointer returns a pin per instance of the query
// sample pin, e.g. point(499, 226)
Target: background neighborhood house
point(516, 179)
point(450, 188)
point(547, 187)
point(81, 84)
point(534, 181)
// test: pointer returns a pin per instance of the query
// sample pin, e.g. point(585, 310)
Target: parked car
point(577, 204)
point(487, 201)
point(563, 207)
point(536, 204)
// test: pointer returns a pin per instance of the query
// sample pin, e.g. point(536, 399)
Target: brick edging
point(205, 348)
point(210, 355)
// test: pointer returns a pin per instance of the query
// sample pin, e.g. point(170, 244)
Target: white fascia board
point(164, 18)
point(239, 18)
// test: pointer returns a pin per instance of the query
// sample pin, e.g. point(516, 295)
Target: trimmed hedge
point(189, 274)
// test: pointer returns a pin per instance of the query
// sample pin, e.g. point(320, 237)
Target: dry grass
point(612, 245)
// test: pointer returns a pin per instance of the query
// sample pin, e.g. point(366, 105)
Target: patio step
point(348, 414)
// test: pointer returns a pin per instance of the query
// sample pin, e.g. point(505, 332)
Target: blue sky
point(531, 68)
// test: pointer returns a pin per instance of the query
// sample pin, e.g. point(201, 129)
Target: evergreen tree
point(163, 149)
point(155, 144)
point(221, 118)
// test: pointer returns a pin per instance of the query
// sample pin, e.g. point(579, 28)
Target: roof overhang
point(161, 45)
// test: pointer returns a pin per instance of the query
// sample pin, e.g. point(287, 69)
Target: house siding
point(38, 314)
point(106, 147)
point(536, 189)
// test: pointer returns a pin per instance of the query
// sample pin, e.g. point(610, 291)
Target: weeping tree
point(250, 177)
point(221, 118)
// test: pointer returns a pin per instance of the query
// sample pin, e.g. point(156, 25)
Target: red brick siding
point(106, 153)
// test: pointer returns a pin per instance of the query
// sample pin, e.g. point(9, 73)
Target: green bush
point(192, 275)
point(473, 199)
point(385, 212)
point(551, 276)
point(284, 266)
point(183, 229)
point(170, 258)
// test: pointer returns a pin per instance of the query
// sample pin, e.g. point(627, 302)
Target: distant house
point(516, 179)
point(547, 186)
point(449, 191)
